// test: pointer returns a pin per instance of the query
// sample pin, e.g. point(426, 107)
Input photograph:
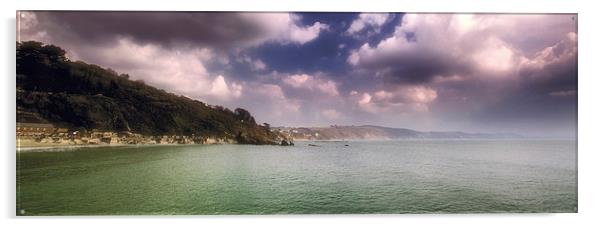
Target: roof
point(34, 125)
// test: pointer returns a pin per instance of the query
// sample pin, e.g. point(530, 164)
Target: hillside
point(52, 88)
point(370, 132)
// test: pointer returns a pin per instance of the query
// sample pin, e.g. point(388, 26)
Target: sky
point(491, 73)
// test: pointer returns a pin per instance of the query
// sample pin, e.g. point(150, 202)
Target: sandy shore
point(32, 146)
point(26, 145)
point(63, 147)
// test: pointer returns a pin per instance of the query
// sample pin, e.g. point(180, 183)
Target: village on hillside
point(40, 134)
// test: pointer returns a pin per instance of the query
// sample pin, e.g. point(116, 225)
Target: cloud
point(259, 65)
point(366, 21)
point(269, 103)
point(205, 29)
point(303, 35)
point(255, 64)
point(427, 45)
point(221, 89)
point(400, 100)
point(563, 52)
point(311, 83)
point(495, 57)
point(181, 71)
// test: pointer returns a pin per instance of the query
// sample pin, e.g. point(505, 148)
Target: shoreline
point(75, 147)
point(51, 147)
point(43, 147)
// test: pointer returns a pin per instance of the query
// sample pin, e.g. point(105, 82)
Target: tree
point(242, 114)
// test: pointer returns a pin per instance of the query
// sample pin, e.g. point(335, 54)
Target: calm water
point(363, 177)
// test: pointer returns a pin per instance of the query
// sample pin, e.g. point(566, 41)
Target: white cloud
point(297, 80)
point(399, 100)
point(495, 57)
point(311, 83)
point(305, 34)
point(365, 99)
point(285, 28)
point(255, 64)
point(272, 103)
point(383, 95)
point(563, 51)
point(26, 28)
point(367, 20)
point(220, 89)
point(354, 57)
point(259, 65)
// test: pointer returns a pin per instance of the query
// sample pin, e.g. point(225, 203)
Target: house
point(34, 129)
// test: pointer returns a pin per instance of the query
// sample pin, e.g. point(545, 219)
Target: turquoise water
point(422, 176)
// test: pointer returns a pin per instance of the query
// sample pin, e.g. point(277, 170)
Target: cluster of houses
point(298, 133)
point(48, 133)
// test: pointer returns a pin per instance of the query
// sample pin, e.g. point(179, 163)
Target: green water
point(363, 177)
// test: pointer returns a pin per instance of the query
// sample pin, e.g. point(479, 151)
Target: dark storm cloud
point(417, 68)
point(553, 69)
point(214, 29)
point(546, 90)
point(217, 30)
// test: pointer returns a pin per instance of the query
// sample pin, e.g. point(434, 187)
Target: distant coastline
point(31, 138)
point(373, 132)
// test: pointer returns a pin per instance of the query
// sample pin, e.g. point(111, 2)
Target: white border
point(589, 110)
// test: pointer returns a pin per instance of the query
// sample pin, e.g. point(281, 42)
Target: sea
point(312, 177)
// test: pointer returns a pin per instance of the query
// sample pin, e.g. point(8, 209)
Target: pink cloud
point(400, 100)
point(311, 83)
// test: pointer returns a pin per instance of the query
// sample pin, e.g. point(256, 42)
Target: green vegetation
point(83, 96)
